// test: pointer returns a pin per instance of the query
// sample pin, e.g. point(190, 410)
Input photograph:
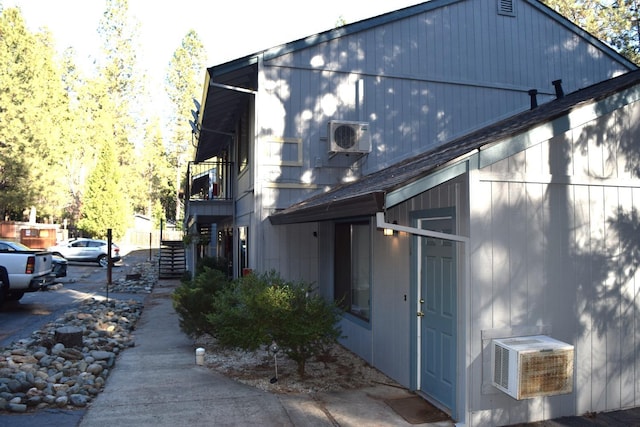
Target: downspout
point(381, 223)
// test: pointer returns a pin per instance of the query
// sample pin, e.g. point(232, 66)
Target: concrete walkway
point(157, 383)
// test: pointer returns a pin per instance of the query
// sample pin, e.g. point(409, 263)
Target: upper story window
point(352, 264)
point(243, 142)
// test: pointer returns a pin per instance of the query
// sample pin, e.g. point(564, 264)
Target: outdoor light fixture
point(274, 349)
point(390, 231)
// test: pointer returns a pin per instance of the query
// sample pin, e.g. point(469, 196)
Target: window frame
point(353, 267)
point(243, 250)
point(244, 155)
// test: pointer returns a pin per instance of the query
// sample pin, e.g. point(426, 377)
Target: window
point(352, 266)
point(243, 251)
point(243, 142)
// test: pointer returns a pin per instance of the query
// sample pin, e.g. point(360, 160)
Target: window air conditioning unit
point(349, 137)
point(526, 367)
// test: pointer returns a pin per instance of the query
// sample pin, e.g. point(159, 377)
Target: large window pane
point(243, 251)
point(352, 266)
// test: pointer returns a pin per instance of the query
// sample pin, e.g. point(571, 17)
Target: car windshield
point(15, 246)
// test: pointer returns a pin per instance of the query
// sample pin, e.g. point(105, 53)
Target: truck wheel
point(103, 261)
point(4, 285)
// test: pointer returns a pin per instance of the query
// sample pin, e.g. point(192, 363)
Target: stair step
point(172, 259)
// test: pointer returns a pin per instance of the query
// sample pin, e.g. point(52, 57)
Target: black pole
point(109, 261)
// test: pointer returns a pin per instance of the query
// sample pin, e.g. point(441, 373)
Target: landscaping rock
point(38, 373)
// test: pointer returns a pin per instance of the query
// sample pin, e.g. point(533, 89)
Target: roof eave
point(362, 205)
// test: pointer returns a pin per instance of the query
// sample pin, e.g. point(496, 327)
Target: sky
point(221, 25)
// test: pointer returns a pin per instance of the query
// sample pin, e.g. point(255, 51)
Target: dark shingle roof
point(366, 196)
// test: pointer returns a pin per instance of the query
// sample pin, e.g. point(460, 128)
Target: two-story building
point(426, 168)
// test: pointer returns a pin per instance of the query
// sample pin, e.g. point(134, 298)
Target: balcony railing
point(209, 181)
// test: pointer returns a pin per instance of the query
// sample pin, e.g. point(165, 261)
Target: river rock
point(17, 407)
point(78, 400)
point(37, 373)
point(102, 355)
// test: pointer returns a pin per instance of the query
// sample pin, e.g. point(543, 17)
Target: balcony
point(209, 191)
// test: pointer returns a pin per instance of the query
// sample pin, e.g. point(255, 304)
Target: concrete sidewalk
point(157, 383)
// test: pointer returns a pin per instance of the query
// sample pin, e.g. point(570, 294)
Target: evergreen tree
point(155, 176)
point(52, 125)
point(76, 156)
point(31, 103)
point(183, 85)
point(103, 208)
point(615, 22)
point(115, 91)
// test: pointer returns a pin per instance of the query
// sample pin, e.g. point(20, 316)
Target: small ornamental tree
point(193, 300)
point(259, 309)
point(304, 323)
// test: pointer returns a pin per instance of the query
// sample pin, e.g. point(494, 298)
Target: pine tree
point(615, 22)
point(104, 207)
point(183, 85)
point(154, 176)
point(32, 102)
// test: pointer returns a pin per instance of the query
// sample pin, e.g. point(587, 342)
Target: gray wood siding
point(292, 251)
point(426, 78)
point(392, 263)
point(554, 243)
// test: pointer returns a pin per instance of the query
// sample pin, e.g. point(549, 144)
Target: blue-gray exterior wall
point(418, 82)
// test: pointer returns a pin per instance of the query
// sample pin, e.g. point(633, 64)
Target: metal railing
point(209, 181)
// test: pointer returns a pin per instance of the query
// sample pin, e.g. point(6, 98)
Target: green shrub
point(259, 309)
point(193, 299)
point(214, 263)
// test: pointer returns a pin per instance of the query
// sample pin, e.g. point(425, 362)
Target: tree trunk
point(70, 336)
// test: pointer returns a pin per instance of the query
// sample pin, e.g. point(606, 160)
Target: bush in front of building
point(259, 310)
point(215, 263)
point(193, 300)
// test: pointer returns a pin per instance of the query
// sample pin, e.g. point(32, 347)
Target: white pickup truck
point(24, 271)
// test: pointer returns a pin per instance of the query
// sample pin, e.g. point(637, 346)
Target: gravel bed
point(336, 369)
point(40, 372)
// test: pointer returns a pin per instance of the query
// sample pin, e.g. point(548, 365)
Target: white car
point(91, 250)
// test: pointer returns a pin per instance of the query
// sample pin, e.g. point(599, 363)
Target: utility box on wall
point(349, 137)
point(532, 366)
point(38, 238)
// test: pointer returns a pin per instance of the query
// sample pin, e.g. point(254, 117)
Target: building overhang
point(359, 205)
point(228, 89)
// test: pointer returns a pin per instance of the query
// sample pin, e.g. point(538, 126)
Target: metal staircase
point(172, 259)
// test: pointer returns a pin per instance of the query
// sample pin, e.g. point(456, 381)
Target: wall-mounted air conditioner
point(349, 137)
point(526, 367)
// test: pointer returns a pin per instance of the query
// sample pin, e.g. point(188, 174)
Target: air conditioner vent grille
point(546, 374)
point(344, 136)
point(501, 371)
